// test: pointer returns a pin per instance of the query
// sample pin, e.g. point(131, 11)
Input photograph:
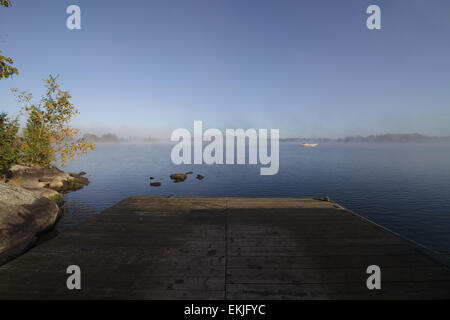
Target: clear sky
point(309, 68)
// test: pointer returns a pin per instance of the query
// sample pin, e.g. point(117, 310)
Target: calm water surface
point(404, 187)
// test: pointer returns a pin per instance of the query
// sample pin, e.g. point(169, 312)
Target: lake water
point(404, 187)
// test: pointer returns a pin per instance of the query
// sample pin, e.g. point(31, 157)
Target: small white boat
point(308, 145)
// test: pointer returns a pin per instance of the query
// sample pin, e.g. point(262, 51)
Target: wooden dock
point(225, 248)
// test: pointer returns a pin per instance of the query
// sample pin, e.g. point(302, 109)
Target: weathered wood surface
point(225, 248)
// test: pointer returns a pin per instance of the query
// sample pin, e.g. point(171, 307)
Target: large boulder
point(23, 216)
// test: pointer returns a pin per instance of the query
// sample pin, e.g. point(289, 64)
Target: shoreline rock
point(45, 181)
point(30, 202)
point(23, 216)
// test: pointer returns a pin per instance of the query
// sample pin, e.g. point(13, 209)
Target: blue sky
point(309, 68)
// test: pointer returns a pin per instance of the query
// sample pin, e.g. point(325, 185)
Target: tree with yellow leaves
point(6, 67)
point(6, 64)
point(48, 136)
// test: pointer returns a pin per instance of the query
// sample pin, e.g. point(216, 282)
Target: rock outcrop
point(45, 181)
point(23, 216)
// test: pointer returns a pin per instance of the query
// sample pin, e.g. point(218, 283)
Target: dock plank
point(225, 248)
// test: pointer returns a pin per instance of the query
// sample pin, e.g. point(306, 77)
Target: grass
point(58, 199)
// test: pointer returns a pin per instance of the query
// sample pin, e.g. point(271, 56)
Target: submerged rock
point(155, 184)
point(23, 216)
point(74, 183)
point(199, 177)
point(178, 177)
point(327, 199)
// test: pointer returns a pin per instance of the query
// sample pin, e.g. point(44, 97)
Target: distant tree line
point(390, 137)
point(113, 138)
point(109, 137)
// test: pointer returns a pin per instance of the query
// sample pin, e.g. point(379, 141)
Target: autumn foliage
point(48, 135)
point(6, 64)
point(9, 143)
point(6, 67)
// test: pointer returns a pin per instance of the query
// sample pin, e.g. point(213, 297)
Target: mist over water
point(404, 187)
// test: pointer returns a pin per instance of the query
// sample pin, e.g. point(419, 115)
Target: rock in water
point(178, 177)
point(199, 177)
point(155, 184)
point(327, 199)
point(23, 215)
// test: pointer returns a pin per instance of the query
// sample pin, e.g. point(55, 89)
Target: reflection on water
point(404, 187)
point(74, 212)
